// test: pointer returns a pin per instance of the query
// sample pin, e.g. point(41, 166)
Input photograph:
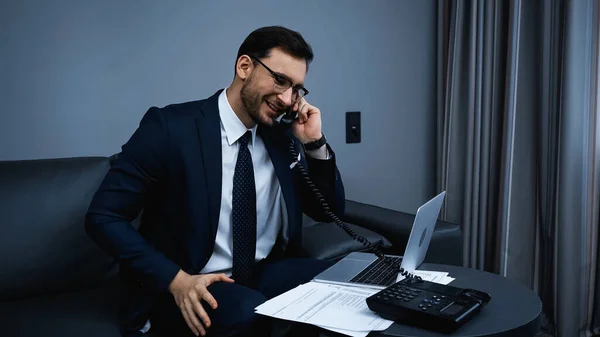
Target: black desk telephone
point(427, 305)
point(411, 301)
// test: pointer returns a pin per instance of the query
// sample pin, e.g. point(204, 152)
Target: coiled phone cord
point(327, 210)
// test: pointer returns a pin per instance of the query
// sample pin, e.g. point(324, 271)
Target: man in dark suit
point(221, 198)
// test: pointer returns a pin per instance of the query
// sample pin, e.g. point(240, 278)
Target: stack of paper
point(338, 308)
point(431, 276)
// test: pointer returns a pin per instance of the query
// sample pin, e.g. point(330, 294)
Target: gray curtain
point(518, 146)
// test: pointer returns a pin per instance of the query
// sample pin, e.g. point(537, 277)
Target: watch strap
point(316, 144)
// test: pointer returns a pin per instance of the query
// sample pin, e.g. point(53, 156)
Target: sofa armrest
point(446, 242)
point(325, 240)
point(393, 224)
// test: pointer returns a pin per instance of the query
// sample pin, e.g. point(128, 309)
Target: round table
point(514, 309)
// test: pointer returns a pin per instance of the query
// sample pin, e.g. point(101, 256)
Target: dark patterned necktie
point(243, 213)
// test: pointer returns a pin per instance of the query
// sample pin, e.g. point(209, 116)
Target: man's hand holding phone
point(307, 127)
point(188, 290)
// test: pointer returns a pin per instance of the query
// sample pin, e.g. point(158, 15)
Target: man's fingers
point(224, 278)
point(296, 106)
point(204, 294)
point(208, 297)
point(217, 278)
point(200, 312)
point(189, 323)
point(303, 113)
point(189, 307)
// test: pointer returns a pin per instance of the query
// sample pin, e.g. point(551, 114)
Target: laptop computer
point(365, 269)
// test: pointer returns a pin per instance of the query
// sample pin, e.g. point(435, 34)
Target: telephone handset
point(287, 119)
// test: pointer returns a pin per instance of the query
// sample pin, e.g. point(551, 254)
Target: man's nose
point(286, 97)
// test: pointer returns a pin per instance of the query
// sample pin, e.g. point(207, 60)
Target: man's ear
point(244, 67)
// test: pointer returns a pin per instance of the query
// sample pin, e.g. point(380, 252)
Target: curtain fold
point(547, 157)
point(577, 228)
point(470, 122)
point(519, 148)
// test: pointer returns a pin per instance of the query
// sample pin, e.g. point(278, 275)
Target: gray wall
point(75, 77)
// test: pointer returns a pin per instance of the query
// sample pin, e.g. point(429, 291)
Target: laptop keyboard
point(378, 273)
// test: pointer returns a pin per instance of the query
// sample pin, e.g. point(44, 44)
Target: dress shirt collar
point(234, 128)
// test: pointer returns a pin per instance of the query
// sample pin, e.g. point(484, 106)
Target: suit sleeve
point(327, 179)
point(120, 198)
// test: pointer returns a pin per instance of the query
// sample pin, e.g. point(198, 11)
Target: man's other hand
point(188, 290)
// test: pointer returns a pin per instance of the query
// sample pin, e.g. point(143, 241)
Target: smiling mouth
point(278, 109)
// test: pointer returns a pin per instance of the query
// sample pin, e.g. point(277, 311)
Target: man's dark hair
point(261, 41)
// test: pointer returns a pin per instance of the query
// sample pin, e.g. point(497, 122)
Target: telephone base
point(427, 305)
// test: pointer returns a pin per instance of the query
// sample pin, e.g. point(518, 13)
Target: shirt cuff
point(321, 153)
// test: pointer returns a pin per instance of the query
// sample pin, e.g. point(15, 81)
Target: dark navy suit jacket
point(170, 170)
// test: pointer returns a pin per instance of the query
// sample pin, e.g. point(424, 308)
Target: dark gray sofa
point(54, 281)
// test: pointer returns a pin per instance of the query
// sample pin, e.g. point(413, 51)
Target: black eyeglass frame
point(299, 90)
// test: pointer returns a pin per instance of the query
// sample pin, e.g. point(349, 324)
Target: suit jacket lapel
point(276, 142)
point(209, 132)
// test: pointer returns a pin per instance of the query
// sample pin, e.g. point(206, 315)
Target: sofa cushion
point(86, 313)
point(44, 247)
point(328, 241)
point(446, 245)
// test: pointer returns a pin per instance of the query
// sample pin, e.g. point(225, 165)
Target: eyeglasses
point(282, 83)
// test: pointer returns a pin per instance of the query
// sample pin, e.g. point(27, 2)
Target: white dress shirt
point(270, 207)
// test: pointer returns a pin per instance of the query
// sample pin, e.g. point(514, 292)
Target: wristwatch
point(316, 144)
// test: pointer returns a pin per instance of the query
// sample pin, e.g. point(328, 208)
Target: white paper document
point(335, 307)
point(348, 332)
point(431, 276)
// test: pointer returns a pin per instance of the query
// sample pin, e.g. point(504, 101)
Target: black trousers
point(235, 313)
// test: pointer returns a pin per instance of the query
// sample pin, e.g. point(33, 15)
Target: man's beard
point(252, 101)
